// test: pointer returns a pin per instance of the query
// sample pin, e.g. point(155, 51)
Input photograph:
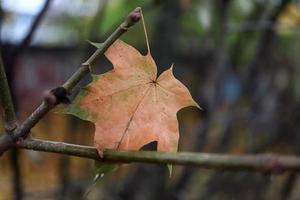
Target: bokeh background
point(239, 58)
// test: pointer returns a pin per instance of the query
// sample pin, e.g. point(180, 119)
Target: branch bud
point(56, 96)
point(134, 17)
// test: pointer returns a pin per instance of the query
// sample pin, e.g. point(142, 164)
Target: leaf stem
point(146, 34)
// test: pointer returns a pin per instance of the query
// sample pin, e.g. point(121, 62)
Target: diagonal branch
point(37, 20)
point(265, 163)
point(28, 37)
point(51, 100)
point(10, 60)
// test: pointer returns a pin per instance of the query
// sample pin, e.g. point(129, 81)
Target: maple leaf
point(130, 106)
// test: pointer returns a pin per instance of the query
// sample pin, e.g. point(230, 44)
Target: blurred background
point(239, 58)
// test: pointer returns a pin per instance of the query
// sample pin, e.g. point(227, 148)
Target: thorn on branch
point(87, 65)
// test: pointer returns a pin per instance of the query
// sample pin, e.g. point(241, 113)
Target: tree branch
point(6, 100)
point(265, 163)
point(10, 121)
point(33, 28)
point(7, 141)
point(11, 58)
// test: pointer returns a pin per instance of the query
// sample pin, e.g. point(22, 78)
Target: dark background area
point(239, 58)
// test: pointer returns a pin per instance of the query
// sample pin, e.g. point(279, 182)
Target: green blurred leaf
point(103, 168)
point(170, 169)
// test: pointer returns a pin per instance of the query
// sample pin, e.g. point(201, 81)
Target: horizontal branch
point(265, 163)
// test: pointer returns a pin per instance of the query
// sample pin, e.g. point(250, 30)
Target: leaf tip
point(171, 68)
point(196, 105)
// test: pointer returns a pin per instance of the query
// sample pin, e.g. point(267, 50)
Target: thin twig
point(34, 26)
point(7, 141)
point(10, 123)
point(11, 59)
point(6, 101)
point(265, 163)
point(11, 67)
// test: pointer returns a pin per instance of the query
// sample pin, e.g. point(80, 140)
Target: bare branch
point(10, 123)
point(33, 28)
point(6, 100)
point(265, 163)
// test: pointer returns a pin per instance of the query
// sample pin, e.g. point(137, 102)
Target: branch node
point(9, 127)
point(56, 96)
point(124, 26)
point(273, 165)
point(61, 95)
point(50, 98)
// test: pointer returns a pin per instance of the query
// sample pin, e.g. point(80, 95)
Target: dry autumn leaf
point(130, 106)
